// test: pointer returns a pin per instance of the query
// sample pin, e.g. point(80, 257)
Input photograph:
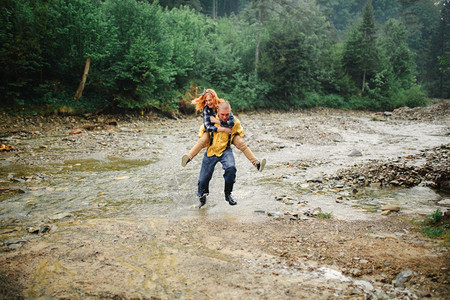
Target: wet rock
point(445, 186)
point(375, 185)
point(38, 229)
point(435, 172)
point(315, 180)
point(314, 212)
point(445, 202)
point(390, 208)
point(20, 180)
point(364, 284)
point(61, 216)
point(424, 294)
point(285, 199)
point(32, 229)
point(14, 243)
point(12, 190)
point(355, 153)
point(403, 277)
point(73, 132)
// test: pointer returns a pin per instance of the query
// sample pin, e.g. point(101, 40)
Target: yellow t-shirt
point(220, 139)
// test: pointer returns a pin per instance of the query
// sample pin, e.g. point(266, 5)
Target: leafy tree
point(142, 70)
point(186, 30)
point(44, 48)
point(291, 60)
point(20, 50)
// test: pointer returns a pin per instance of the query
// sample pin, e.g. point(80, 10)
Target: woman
point(207, 103)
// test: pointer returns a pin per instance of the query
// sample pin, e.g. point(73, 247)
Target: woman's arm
point(207, 113)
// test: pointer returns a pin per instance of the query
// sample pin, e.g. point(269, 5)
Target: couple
point(217, 134)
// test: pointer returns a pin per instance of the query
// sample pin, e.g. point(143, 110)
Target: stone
point(355, 153)
point(390, 207)
point(403, 277)
point(445, 185)
point(375, 185)
point(445, 202)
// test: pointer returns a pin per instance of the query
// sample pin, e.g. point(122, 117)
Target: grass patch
point(436, 226)
point(324, 215)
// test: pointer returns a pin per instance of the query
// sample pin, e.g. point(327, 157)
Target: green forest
point(76, 56)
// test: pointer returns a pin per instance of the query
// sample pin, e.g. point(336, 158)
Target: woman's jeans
point(207, 170)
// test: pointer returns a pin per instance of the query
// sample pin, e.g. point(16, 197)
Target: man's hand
point(224, 129)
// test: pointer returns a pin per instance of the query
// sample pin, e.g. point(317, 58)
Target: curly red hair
point(201, 100)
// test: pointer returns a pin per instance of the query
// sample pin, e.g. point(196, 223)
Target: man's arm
point(222, 128)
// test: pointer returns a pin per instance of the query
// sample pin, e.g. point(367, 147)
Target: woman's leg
point(202, 143)
point(240, 144)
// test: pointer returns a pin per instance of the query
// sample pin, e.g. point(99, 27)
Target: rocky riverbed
point(99, 207)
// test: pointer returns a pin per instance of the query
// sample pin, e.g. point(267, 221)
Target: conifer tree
point(361, 59)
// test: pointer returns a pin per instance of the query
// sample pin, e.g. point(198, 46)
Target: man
point(219, 151)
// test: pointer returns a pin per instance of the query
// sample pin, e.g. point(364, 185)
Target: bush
point(358, 103)
point(412, 97)
point(332, 100)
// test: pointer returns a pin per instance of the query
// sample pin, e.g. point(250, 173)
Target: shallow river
point(144, 176)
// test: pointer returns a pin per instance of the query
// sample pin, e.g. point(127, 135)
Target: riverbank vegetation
point(92, 55)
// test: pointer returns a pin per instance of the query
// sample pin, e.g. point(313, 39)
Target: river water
point(143, 177)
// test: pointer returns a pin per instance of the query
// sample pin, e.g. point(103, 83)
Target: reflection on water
point(77, 188)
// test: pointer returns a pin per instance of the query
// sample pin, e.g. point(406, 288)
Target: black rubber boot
point(228, 190)
point(202, 200)
point(230, 199)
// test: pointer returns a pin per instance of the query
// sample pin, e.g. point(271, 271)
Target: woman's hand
point(214, 120)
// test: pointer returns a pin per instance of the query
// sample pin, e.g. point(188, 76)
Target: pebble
point(445, 202)
point(390, 207)
point(404, 171)
point(403, 277)
point(355, 153)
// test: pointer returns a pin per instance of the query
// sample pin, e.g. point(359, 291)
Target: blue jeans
point(207, 170)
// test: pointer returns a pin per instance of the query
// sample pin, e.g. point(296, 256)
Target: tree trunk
point(363, 81)
point(258, 38)
point(83, 80)
point(214, 9)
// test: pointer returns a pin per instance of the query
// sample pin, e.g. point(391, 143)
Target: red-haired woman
point(207, 103)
